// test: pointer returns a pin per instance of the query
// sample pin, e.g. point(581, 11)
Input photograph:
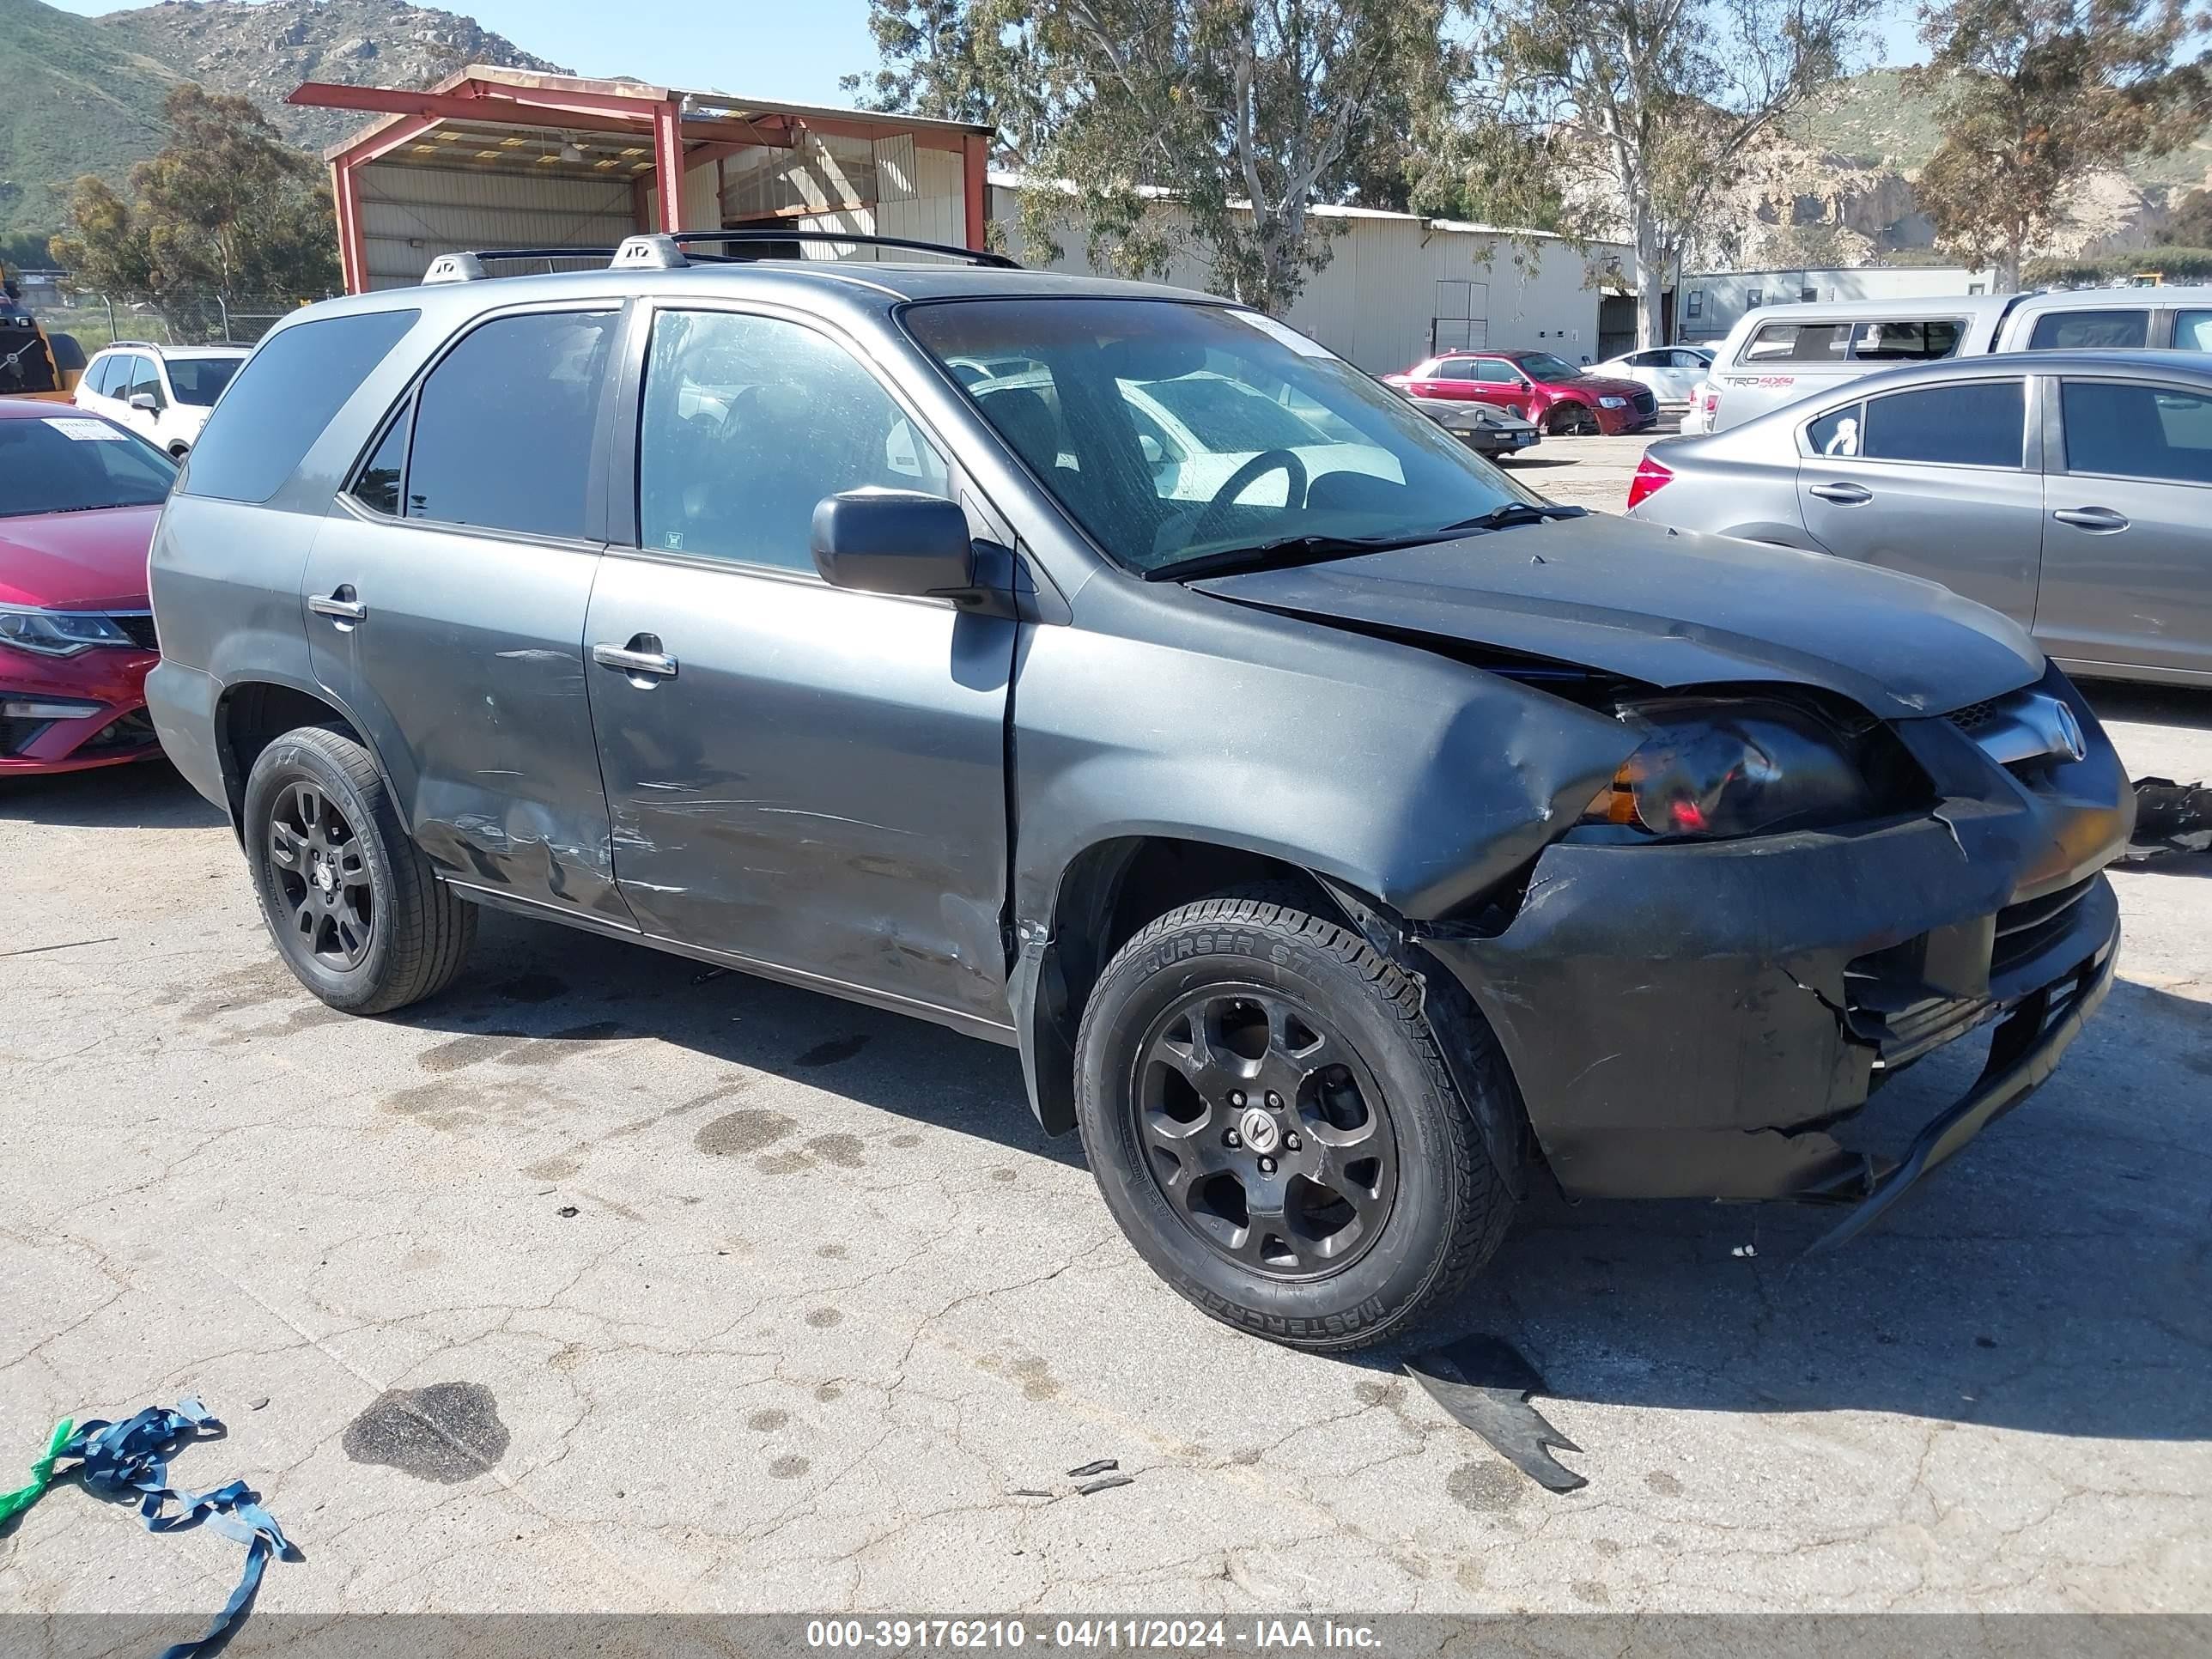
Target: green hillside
point(74, 99)
point(83, 94)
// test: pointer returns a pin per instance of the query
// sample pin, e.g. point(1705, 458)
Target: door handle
point(1842, 495)
point(2097, 520)
point(643, 656)
point(341, 606)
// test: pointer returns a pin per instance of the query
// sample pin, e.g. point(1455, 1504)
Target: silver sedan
point(2071, 490)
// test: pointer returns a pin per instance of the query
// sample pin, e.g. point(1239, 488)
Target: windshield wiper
point(1510, 513)
point(1284, 551)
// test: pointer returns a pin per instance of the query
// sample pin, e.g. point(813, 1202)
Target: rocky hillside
point(1837, 188)
point(81, 94)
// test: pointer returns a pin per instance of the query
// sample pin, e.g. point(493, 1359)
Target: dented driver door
point(804, 780)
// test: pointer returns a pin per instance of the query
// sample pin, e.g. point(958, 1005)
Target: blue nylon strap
point(125, 1461)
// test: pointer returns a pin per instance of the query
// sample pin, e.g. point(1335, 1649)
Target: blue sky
point(788, 49)
point(771, 49)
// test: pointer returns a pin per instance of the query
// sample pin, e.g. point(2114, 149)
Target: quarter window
point(283, 397)
point(2073, 330)
point(750, 421)
point(1978, 424)
point(1836, 433)
point(2131, 430)
point(503, 426)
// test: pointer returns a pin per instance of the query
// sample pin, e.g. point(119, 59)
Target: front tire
point(1269, 1119)
point(349, 900)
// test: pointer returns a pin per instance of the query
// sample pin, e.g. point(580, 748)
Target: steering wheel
point(1267, 461)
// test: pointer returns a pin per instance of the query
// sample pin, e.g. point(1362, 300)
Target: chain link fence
point(93, 320)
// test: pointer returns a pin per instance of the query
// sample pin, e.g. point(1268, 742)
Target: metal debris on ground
point(1103, 1483)
point(1028, 1491)
point(2171, 818)
point(567, 1213)
point(1745, 1250)
point(1096, 1466)
point(128, 1461)
point(1485, 1384)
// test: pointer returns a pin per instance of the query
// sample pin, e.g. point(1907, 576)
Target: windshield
point(1170, 430)
point(200, 380)
point(1543, 366)
point(75, 463)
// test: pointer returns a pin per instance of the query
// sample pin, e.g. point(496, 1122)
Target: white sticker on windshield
point(80, 428)
point(1284, 333)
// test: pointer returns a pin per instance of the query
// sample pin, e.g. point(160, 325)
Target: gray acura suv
point(1346, 837)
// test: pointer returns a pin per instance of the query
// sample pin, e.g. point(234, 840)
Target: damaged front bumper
point(1699, 1019)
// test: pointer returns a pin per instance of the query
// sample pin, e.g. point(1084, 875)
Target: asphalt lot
point(724, 1297)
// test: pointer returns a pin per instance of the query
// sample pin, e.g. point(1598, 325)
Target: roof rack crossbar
point(468, 266)
point(756, 237)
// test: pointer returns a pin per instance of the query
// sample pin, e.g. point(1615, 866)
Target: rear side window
point(1916, 342)
point(284, 397)
point(2129, 430)
point(2075, 331)
point(1980, 424)
point(2192, 331)
point(1797, 342)
point(503, 426)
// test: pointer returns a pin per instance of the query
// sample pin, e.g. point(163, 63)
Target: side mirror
point(893, 541)
point(149, 402)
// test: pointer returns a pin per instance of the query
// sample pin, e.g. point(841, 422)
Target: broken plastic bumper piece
point(2024, 1051)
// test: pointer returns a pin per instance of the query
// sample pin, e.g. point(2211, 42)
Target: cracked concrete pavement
point(727, 1296)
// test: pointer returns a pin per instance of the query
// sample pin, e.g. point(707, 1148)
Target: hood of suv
point(1671, 609)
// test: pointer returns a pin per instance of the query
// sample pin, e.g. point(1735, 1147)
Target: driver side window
point(749, 422)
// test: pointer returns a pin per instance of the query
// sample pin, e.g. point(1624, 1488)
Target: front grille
point(1645, 405)
point(139, 626)
point(1974, 716)
point(2025, 929)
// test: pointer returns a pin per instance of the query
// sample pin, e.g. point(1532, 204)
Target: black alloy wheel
point(322, 877)
point(1265, 1130)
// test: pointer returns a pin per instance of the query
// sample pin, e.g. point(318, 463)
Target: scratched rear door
point(802, 778)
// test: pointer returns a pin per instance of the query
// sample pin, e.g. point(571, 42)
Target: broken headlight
point(1711, 771)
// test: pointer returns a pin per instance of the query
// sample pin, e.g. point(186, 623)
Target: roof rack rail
point(136, 345)
point(667, 250)
point(468, 267)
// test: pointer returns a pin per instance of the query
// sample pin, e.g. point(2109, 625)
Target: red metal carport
point(493, 157)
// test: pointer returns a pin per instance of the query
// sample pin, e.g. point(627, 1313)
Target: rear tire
point(1314, 1177)
point(349, 898)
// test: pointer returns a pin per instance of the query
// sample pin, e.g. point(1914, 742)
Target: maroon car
point(1553, 392)
point(79, 496)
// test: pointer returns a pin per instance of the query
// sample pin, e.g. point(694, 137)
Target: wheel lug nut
point(1266, 1166)
point(1274, 1100)
point(1230, 1138)
point(1290, 1142)
point(1235, 1096)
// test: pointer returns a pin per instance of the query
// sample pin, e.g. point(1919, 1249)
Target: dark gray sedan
point(2071, 490)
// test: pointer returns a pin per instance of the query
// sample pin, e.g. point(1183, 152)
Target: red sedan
point(79, 496)
point(1536, 385)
